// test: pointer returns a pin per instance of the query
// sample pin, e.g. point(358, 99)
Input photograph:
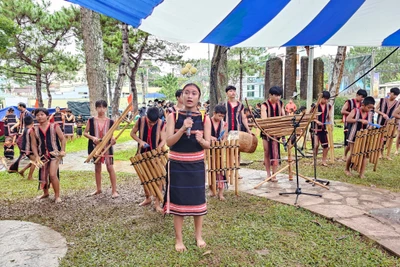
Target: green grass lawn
point(242, 231)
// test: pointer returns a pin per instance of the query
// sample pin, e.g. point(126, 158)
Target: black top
point(190, 144)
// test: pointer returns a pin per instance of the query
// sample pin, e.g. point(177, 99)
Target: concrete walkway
point(373, 212)
point(30, 244)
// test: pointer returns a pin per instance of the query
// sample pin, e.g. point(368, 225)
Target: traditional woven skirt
point(79, 131)
point(68, 129)
point(185, 194)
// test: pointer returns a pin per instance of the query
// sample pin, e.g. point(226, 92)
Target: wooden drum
point(247, 142)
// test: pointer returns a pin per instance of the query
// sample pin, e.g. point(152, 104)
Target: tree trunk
point(290, 71)
point(121, 70)
point(217, 77)
point(143, 86)
point(48, 93)
point(214, 77)
point(318, 77)
point(303, 77)
point(94, 54)
point(337, 72)
point(133, 88)
point(39, 84)
point(240, 75)
point(109, 86)
point(222, 75)
point(273, 74)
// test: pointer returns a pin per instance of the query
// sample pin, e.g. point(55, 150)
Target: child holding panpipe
point(359, 119)
point(151, 136)
point(218, 133)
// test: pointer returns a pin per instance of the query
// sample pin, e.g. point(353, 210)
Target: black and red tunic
point(99, 131)
point(11, 120)
point(387, 108)
point(150, 134)
point(357, 126)
point(234, 117)
point(216, 128)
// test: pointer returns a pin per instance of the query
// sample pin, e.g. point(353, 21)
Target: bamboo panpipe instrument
point(150, 168)
point(356, 148)
point(143, 181)
point(107, 137)
point(223, 159)
point(391, 134)
point(116, 138)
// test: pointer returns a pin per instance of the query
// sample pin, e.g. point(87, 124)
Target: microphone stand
point(298, 191)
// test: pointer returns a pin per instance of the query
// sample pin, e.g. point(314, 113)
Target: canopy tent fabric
point(260, 23)
point(154, 95)
point(3, 111)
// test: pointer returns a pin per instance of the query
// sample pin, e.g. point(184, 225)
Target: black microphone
point(188, 115)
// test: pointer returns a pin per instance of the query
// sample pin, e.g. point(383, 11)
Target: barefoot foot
point(221, 198)
point(114, 195)
point(158, 209)
point(43, 196)
point(348, 173)
point(145, 202)
point(200, 243)
point(180, 247)
point(97, 192)
point(58, 200)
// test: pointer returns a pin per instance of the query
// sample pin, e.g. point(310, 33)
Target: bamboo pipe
point(228, 161)
point(142, 174)
point(330, 142)
point(223, 158)
point(362, 149)
point(209, 167)
point(149, 177)
point(374, 145)
point(108, 135)
point(150, 165)
point(159, 162)
point(314, 182)
point(218, 163)
point(272, 176)
point(391, 136)
point(213, 164)
point(232, 160)
point(356, 147)
point(156, 165)
point(237, 166)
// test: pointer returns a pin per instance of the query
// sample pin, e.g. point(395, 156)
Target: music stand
point(298, 191)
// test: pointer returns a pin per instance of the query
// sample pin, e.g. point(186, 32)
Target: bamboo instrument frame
point(276, 126)
point(223, 158)
point(391, 134)
point(368, 144)
point(107, 137)
point(150, 168)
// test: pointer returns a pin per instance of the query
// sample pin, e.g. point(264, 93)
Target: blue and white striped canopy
point(260, 23)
